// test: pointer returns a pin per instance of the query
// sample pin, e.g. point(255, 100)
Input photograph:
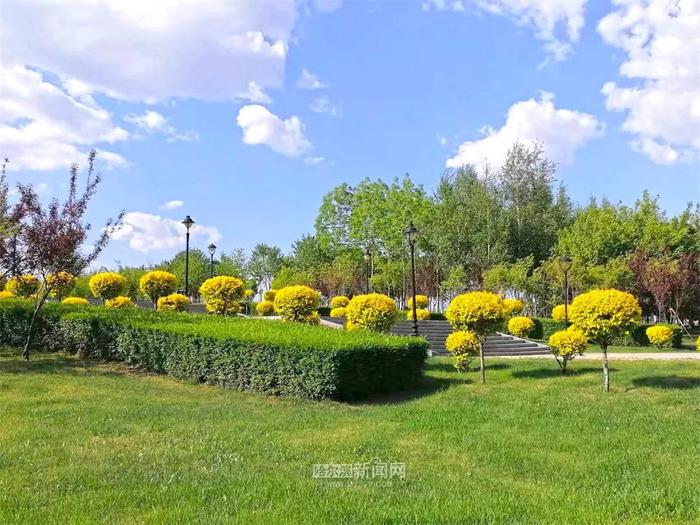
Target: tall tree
point(264, 263)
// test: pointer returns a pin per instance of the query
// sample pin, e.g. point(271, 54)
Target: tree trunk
point(481, 363)
point(39, 304)
point(606, 372)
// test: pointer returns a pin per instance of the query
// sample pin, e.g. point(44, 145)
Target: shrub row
point(545, 327)
point(248, 354)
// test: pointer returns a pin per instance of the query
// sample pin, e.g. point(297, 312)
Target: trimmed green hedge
point(545, 327)
point(248, 354)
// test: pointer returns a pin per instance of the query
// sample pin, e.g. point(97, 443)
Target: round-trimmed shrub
point(269, 295)
point(339, 311)
point(265, 308)
point(374, 311)
point(566, 344)
point(480, 312)
point(339, 301)
point(7, 295)
point(174, 302)
point(421, 314)
point(660, 335)
point(23, 285)
point(60, 284)
point(222, 294)
point(157, 284)
point(421, 302)
point(107, 285)
point(558, 312)
point(697, 344)
point(121, 301)
point(513, 306)
point(75, 301)
point(464, 346)
point(298, 304)
point(520, 326)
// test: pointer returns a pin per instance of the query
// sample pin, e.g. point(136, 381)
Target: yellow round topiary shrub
point(558, 312)
point(23, 285)
point(479, 312)
point(60, 284)
point(520, 326)
point(107, 285)
point(269, 295)
point(697, 344)
point(566, 344)
point(339, 301)
point(513, 306)
point(421, 302)
point(7, 295)
point(464, 346)
point(120, 301)
point(265, 308)
point(603, 314)
point(298, 304)
point(174, 302)
point(421, 314)
point(339, 311)
point(75, 301)
point(373, 311)
point(660, 335)
point(157, 284)
point(222, 294)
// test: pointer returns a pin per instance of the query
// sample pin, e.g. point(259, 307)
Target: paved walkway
point(621, 356)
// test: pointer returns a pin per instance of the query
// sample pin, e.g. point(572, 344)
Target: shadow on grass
point(543, 373)
point(677, 382)
point(40, 363)
point(429, 385)
point(448, 366)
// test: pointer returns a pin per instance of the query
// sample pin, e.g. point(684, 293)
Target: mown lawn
point(98, 443)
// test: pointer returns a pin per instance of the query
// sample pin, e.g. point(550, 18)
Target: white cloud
point(146, 232)
point(324, 105)
point(260, 126)
point(43, 127)
point(327, 6)
point(441, 140)
point(561, 132)
point(152, 121)
point(172, 205)
point(255, 94)
point(557, 23)
point(313, 160)
point(308, 80)
point(662, 43)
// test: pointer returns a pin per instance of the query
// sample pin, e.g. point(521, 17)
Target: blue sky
point(244, 114)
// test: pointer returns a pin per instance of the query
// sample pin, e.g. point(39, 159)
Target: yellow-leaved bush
point(421, 302)
point(265, 308)
point(174, 302)
point(373, 311)
point(513, 306)
point(660, 335)
point(60, 284)
point(464, 345)
point(520, 326)
point(479, 312)
point(269, 295)
point(23, 285)
point(567, 344)
point(697, 344)
point(298, 303)
point(121, 301)
point(222, 294)
point(603, 314)
point(157, 284)
point(7, 295)
point(422, 314)
point(75, 301)
point(339, 311)
point(559, 312)
point(107, 285)
point(339, 301)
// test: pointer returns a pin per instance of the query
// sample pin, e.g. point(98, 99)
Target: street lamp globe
point(411, 232)
point(212, 248)
point(188, 222)
point(565, 263)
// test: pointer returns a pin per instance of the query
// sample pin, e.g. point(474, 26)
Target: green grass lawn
point(96, 442)
point(688, 345)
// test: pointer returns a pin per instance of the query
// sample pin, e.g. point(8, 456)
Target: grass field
point(688, 345)
point(97, 442)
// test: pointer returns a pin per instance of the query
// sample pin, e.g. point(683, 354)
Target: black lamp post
point(212, 249)
point(368, 261)
point(411, 232)
point(565, 265)
point(188, 222)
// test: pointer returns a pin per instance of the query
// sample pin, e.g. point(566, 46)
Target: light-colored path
point(621, 356)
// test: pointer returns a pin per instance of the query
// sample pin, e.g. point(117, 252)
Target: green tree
point(264, 263)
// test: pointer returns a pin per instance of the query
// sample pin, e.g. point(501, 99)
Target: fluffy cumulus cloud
point(661, 39)
point(146, 232)
point(152, 122)
point(172, 205)
point(557, 23)
point(261, 126)
point(560, 131)
point(307, 80)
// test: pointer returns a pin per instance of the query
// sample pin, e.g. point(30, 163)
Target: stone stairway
point(496, 345)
